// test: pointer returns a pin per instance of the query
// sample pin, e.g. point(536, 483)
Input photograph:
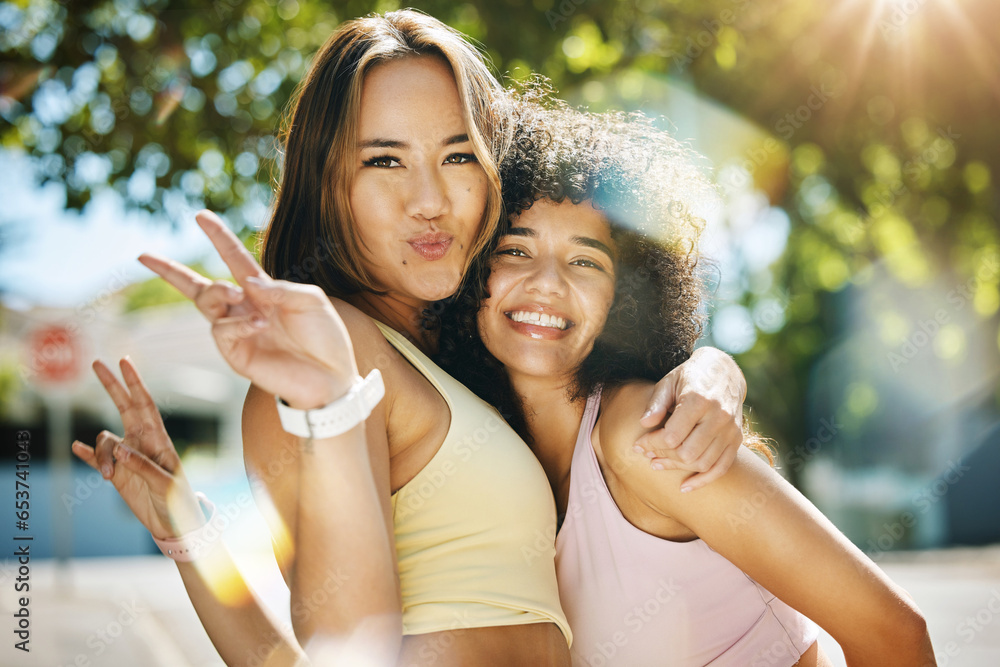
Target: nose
point(428, 194)
point(546, 278)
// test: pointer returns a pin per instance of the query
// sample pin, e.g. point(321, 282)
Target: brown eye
point(587, 263)
point(460, 158)
point(382, 162)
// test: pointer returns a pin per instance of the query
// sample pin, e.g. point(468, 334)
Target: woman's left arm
point(702, 403)
point(770, 531)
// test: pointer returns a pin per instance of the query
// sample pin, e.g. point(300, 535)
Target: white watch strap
point(338, 417)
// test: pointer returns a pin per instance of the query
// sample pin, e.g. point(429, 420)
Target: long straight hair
point(312, 215)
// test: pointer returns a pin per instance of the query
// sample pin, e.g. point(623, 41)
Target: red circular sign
point(54, 354)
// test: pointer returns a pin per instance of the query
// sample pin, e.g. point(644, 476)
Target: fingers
point(142, 466)
point(229, 331)
point(718, 469)
point(142, 402)
point(85, 453)
point(660, 402)
point(697, 446)
point(157, 480)
point(240, 262)
point(124, 457)
point(698, 453)
point(115, 390)
point(133, 413)
point(104, 453)
point(187, 281)
point(267, 295)
point(213, 298)
point(679, 425)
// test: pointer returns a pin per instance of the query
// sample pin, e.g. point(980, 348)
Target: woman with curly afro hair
point(591, 294)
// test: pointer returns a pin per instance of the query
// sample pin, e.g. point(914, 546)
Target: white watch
point(339, 416)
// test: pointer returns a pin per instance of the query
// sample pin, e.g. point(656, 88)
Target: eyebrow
point(402, 145)
point(585, 241)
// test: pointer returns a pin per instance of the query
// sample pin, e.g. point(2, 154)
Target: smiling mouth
point(539, 320)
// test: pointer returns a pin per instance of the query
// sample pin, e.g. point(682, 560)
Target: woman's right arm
point(289, 341)
point(332, 502)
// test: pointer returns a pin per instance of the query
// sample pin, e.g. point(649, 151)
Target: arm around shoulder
point(766, 528)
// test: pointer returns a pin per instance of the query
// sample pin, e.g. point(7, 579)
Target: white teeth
point(539, 319)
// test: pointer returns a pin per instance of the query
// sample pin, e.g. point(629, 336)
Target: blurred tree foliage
point(887, 109)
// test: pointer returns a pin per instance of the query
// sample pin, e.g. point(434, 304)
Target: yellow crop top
point(475, 529)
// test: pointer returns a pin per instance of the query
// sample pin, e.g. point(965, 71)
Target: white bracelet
point(195, 544)
point(339, 416)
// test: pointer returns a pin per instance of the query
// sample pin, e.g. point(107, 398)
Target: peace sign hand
point(143, 466)
point(285, 337)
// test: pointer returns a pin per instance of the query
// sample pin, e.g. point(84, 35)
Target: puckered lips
point(432, 246)
point(538, 321)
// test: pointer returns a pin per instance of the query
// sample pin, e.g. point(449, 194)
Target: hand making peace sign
point(285, 337)
point(143, 465)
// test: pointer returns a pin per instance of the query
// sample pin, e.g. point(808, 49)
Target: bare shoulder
point(354, 319)
point(263, 435)
point(262, 431)
point(371, 349)
point(618, 428)
point(622, 407)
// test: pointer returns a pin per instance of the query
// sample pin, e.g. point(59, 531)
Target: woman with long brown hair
point(411, 511)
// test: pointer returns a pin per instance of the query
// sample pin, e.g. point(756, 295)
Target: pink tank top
point(636, 600)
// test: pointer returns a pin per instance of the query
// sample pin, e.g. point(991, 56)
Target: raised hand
point(143, 466)
point(285, 337)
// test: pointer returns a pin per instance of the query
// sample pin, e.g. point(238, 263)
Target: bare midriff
point(536, 644)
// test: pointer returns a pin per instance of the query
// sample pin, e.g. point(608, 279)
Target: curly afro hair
point(646, 184)
point(649, 189)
